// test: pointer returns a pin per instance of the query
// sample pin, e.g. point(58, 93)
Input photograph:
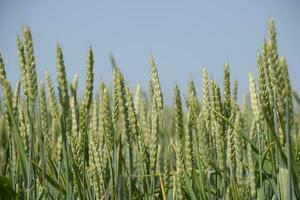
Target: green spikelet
point(166, 175)
point(226, 93)
point(31, 77)
point(238, 149)
point(234, 92)
point(51, 94)
point(151, 90)
point(74, 85)
point(8, 96)
point(154, 134)
point(23, 130)
point(2, 70)
point(188, 145)
point(193, 103)
point(251, 167)
point(6, 87)
point(43, 111)
point(76, 138)
point(156, 85)
point(217, 126)
point(142, 136)
point(267, 68)
point(125, 126)
point(43, 137)
point(131, 113)
point(96, 168)
point(94, 126)
point(62, 79)
point(22, 64)
point(115, 97)
point(123, 104)
point(89, 79)
point(107, 121)
point(16, 99)
point(179, 144)
point(137, 98)
point(205, 111)
point(287, 105)
point(276, 74)
point(230, 154)
point(263, 90)
point(253, 97)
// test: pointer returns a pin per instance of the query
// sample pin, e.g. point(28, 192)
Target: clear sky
point(181, 35)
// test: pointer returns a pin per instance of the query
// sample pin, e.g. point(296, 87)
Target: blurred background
point(182, 36)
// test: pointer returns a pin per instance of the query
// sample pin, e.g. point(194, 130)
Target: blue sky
point(181, 35)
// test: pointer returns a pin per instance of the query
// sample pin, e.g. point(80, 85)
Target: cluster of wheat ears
point(125, 144)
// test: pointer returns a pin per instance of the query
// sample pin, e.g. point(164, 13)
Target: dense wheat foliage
point(125, 143)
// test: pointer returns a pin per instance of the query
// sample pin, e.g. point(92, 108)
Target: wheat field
point(125, 143)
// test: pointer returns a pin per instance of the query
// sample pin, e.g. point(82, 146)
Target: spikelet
point(76, 137)
point(59, 150)
point(238, 149)
point(151, 90)
point(226, 93)
point(2, 70)
point(217, 126)
point(122, 104)
point(205, 112)
point(253, 97)
point(51, 94)
point(188, 144)
point(276, 73)
point(192, 101)
point(6, 87)
point(125, 126)
point(7, 92)
point(156, 86)
point(263, 88)
point(251, 168)
point(96, 168)
point(94, 126)
point(62, 79)
point(131, 113)
point(107, 121)
point(44, 114)
point(267, 68)
point(137, 98)
point(115, 106)
point(154, 136)
point(31, 77)
point(167, 166)
point(287, 104)
point(23, 130)
point(144, 132)
point(179, 144)
point(234, 92)
point(16, 99)
point(22, 64)
point(74, 85)
point(88, 94)
point(230, 154)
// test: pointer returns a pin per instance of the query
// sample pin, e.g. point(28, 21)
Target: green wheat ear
point(179, 144)
point(227, 97)
point(107, 120)
point(31, 76)
point(22, 64)
point(2, 70)
point(62, 79)
point(156, 85)
point(89, 79)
